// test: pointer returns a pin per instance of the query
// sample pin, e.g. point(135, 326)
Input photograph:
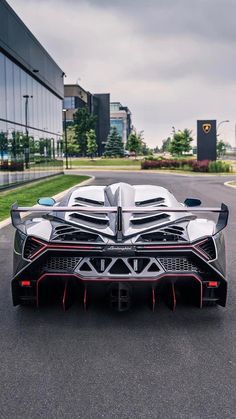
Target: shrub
point(203, 166)
point(219, 167)
point(200, 166)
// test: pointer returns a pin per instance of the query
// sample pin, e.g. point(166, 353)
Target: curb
point(229, 184)
point(159, 172)
point(57, 197)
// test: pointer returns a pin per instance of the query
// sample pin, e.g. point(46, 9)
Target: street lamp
point(26, 149)
point(65, 132)
point(222, 122)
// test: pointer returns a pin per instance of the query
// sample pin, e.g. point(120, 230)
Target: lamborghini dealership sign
point(206, 140)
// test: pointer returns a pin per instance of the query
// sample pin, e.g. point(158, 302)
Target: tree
point(134, 143)
point(83, 122)
point(114, 145)
point(166, 145)
point(221, 148)
point(73, 147)
point(3, 145)
point(145, 150)
point(181, 142)
point(91, 143)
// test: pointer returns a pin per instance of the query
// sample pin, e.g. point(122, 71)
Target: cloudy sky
point(170, 61)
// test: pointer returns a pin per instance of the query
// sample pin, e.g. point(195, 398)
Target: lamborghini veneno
point(120, 244)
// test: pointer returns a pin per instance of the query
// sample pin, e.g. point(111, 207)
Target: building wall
point(30, 127)
point(19, 43)
point(98, 104)
point(103, 119)
point(120, 118)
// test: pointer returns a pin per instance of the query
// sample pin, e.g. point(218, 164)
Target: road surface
point(101, 364)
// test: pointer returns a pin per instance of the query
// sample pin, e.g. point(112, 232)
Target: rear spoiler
point(17, 222)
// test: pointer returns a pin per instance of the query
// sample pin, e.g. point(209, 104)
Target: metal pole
point(26, 147)
point(26, 133)
point(66, 145)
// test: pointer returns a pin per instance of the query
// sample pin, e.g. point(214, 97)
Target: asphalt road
point(100, 364)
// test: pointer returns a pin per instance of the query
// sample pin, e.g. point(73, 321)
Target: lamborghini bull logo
point(206, 128)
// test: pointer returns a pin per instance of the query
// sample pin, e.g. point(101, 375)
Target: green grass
point(105, 162)
point(27, 195)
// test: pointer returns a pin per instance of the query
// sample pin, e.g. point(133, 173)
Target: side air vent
point(208, 247)
point(90, 219)
point(150, 202)
point(71, 234)
point(31, 247)
point(88, 201)
point(149, 219)
point(167, 234)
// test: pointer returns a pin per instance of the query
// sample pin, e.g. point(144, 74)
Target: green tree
point(91, 143)
point(181, 142)
point(3, 144)
point(83, 122)
point(221, 148)
point(114, 145)
point(166, 145)
point(145, 150)
point(73, 147)
point(134, 143)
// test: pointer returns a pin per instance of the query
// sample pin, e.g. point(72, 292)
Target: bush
point(161, 163)
point(219, 167)
point(203, 166)
point(200, 166)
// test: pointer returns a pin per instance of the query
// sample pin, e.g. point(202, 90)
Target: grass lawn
point(27, 195)
point(105, 162)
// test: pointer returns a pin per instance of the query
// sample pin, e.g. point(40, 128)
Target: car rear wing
point(18, 223)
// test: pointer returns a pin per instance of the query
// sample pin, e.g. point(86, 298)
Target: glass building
point(98, 105)
point(120, 118)
point(31, 93)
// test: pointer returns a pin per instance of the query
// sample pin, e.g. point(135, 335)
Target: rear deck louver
point(149, 219)
point(94, 219)
point(150, 202)
point(72, 234)
point(167, 234)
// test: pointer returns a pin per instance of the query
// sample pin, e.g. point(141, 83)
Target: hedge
point(184, 164)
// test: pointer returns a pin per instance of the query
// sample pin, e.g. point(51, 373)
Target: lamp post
point(222, 122)
point(65, 133)
point(26, 147)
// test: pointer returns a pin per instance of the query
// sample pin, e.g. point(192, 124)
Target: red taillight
point(25, 283)
point(212, 284)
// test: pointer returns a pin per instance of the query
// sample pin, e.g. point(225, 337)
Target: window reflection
point(42, 138)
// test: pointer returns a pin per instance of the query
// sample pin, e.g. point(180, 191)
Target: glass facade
point(30, 126)
point(115, 106)
point(118, 123)
point(69, 102)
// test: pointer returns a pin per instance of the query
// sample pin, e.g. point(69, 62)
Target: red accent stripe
point(173, 296)
point(194, 248)
point(118, 279)
point(57, 246)
point(153, 299)
point(85, 297)
point(43, 277)
point(181, 247)
point(64, 298)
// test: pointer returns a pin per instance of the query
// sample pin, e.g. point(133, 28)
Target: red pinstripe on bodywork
point(192, 275)
point(178, 247)
point(58, 246)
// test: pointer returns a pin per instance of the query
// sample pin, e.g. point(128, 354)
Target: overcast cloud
point(170, 61)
